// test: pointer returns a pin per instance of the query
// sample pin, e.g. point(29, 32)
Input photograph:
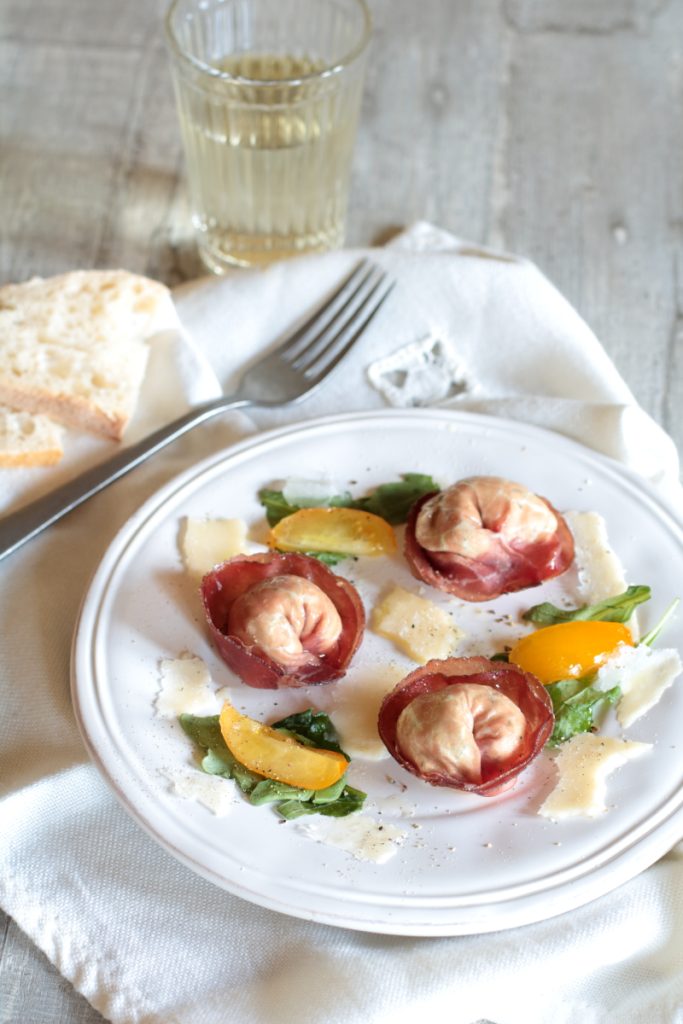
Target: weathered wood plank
point(551, 128)
point(31, 990)
point(593, 177)
point(428, 133)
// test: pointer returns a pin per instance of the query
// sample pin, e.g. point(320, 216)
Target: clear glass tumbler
point(268, 95)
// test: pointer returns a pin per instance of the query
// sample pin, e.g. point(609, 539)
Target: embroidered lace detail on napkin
point(421, 373)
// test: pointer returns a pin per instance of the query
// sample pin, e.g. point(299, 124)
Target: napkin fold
point(144, 939)
point(512, 344)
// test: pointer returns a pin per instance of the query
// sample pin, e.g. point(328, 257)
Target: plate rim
point(658, 838)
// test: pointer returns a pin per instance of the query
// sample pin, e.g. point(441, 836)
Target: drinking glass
point(268, 95)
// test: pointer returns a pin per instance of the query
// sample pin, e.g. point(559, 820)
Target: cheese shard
point(583, 765)
point(643, 673)
point(417, 626)
point(309, 491)
point(212, 791)
point(358, 834)
point(601, 574)
point(185, 688)
point(205, 543)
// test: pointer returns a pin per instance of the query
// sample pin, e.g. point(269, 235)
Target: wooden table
point(550, 128)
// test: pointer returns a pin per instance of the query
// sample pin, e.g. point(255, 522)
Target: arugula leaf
point(391, 501)
point(328, 557)
point(330, 793)
point(564, 689)
point(269, 791)
point(205, 731)
point(575, 702)
point(277, 507)
point(351, 800)
point(650, 637)
point(313, 728)
point(614, 609)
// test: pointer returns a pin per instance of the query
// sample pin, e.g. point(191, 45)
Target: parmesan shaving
point(212, 791)
point(643, 674)
point(185, 688)
point(309, 492)
point(359, 835)
point(208, 542)
point(601, 574)
point(583, 764)
point(418, 627)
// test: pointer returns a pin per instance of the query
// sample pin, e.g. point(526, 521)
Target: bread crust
point(27, 440)
point(27, 460)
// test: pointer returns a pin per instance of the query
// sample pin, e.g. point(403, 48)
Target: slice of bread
point(74, 347)
point(28, 440)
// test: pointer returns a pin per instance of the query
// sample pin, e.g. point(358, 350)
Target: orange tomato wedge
point(278, 756)
point(568, 650)
point(348, 531)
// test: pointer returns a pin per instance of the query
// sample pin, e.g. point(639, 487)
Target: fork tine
point(345, 316)
point(297, 341)
point(339, 345)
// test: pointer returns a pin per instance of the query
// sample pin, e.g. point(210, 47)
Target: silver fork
point(283, 377)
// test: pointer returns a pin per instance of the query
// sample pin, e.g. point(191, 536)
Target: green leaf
point(330, 793)
point(615, 609)
point(576, 702)
point(650, 637)
point(205, 732)
point(268, 791)
point(393, 501)
point(328, 557)
point(313, 726)
point(214, 762)
point(291, 809)
point(564, 689)
point(350, 800)
point(277, 507)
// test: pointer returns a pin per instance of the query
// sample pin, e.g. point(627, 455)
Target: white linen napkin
point(510, 344)
point(144, 939)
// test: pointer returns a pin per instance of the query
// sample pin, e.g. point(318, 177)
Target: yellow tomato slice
point(568, 650)
point(348, 531)
point(278, 756)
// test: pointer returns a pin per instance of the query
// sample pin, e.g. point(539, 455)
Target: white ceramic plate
point(467, 864)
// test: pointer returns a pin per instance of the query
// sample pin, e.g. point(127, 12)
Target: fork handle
point(20, 526)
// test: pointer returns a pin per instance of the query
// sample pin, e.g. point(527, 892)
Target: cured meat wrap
point(467, 723)
point(485, 536)
point(282, 620)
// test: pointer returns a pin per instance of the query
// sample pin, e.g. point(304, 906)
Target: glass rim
point(216, 73)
